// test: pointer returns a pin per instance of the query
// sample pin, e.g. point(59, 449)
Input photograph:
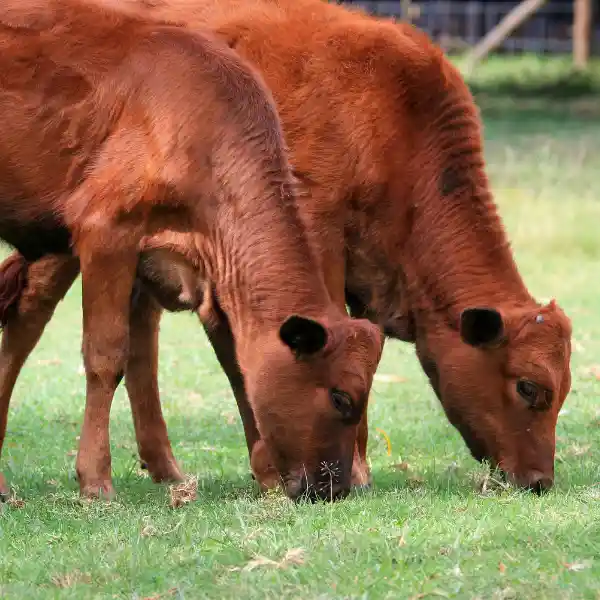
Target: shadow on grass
point(209, 489)
point(131, 489)
point(570, 475)
point(137, 491)
point(573, 474)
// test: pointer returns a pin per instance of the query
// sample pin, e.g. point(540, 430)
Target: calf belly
point(37, 237)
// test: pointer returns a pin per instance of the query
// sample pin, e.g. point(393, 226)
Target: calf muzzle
point(534, 481)
point(300, 488)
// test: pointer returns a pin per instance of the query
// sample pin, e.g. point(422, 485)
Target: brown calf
point(387, 140)
point(115, 129)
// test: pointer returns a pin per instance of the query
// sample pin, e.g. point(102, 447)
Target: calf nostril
point(298, 489)
point(340, 492)
point(332, 493)
point(540, 483)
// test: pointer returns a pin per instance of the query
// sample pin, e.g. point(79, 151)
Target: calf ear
point(481, 327)
point(302, 335)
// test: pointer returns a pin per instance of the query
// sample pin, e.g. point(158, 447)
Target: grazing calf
point(115, 129)
point(386, 139)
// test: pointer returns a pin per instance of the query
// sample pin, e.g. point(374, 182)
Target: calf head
point(502, 380)
point(308, 385)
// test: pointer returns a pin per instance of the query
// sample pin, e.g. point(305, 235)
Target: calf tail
point(13, 280)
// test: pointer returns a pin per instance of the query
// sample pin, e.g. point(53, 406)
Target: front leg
point(108, 264)
point(141, 379)
point(361, 473)
point(220, 336)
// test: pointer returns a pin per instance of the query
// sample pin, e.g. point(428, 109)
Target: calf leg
point(108, 260)
point(48, 280)
point(141, 379)
point(221, 338)
point(361, 472)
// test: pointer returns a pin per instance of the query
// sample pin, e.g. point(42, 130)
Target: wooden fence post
point(493, 38)
point(406, 11)
point(582, 20)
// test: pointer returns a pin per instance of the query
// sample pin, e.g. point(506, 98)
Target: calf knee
point(105, 358)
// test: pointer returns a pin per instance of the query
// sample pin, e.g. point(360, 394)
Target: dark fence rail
point(456, 25)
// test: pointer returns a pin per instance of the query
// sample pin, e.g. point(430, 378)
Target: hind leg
point(48, 280)
point(141, 379)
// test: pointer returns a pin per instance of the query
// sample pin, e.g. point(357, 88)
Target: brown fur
point(386, 139)
point(115, 129)
point(13, 280)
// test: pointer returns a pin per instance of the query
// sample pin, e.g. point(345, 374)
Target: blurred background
point(539, 50)
point(544, 26)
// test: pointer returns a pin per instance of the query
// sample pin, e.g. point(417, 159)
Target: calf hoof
point(4, 491)
point(101, 490)
point(164, 470)
point(263, 471)
point(361, 477)
point(267, 479)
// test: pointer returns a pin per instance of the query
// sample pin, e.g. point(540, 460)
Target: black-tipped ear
point(481, 327)
point(303, 336)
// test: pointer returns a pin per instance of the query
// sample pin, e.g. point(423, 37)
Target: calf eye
point(342, 403)
point(529, 391)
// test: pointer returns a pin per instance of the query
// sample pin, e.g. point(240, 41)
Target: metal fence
point(458, 25)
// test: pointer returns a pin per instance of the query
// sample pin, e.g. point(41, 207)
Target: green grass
point(529, 84)
point(425, 532)
point(528, 75)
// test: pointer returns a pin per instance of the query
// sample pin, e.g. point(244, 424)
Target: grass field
point(424, 531)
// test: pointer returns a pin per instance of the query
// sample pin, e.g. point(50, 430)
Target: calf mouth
point(534, 481)
point(324, 486)
point(325, 492)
